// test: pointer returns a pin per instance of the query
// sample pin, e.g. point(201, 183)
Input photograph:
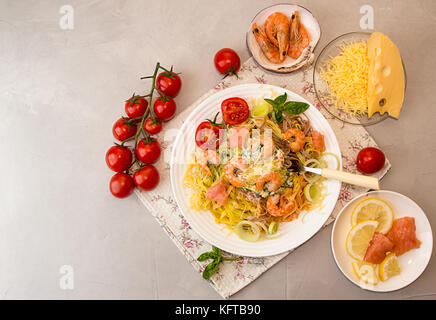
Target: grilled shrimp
point(298, 37)
point(296, 138)
point(278, 205)
point(207, 156)
point(277, 31)
point(267, 47)
point(266, 143)
point(273, 179)
point(232, 169)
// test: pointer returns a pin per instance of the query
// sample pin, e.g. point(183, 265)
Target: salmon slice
point(403, 235)
point(378, 247)
point(318, 141)
point(218, 193)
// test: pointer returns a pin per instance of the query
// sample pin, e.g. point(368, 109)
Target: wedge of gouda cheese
point(385, 76)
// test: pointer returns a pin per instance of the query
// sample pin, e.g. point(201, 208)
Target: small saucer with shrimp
point(282, 37)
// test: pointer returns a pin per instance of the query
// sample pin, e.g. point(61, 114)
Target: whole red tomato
point(169, 83)
point(148, 150)
point(121, 185)
point(235, 110)
point(164, 109)
point(118, 158)
point(121, 130)
point(146, 178)
point(208, 134)
point(370, 160)
point(153, 125)
point(227, 62)
point(136, 106)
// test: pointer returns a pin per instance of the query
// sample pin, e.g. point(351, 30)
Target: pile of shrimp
point(281, 37)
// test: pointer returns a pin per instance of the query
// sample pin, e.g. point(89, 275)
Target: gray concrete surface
point(61, 91)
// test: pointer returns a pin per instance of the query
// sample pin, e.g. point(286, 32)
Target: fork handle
point(351, 178)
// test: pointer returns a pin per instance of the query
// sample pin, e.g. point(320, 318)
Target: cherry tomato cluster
point(134, 164)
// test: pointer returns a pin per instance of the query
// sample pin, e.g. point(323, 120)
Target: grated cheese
point(347, 78)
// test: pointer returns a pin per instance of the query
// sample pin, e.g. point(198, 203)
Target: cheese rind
point(385, 76)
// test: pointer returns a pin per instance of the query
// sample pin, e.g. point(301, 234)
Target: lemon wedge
point(365, 272)
point(359, 237)
point(389, 267)
point(374, 209)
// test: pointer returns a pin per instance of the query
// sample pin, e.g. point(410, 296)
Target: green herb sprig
point(217, 258)
point(280, 105)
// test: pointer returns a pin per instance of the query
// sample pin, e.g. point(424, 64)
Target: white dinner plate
point(290, 234)
point(412, 263)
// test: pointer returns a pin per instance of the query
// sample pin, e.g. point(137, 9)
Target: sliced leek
point(325, 162)
point(247, 230)
point(312, 177)
point(273, 227)
point(312, 192)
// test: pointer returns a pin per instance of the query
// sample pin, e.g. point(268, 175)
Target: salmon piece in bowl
point(378, 247)
point(403, 235)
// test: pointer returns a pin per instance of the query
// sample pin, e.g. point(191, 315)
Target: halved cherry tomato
point(136, 106)
point(118, 158)
point(169, 83)
point(370, 160)
point(121, 130)
point(148, 150)
point(227, 62)
point(146, 178)
point(164, 109)
point(235, 110)
point(153, 125)
point(121, 185)
point(208, 134)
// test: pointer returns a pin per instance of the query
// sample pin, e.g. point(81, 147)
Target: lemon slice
point(365, 272)
point(374, 209)
point(359, 237)
point(389, 267)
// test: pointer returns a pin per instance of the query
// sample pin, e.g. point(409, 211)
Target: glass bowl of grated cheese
point(340, 78)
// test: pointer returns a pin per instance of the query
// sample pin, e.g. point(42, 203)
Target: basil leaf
point(216, 251)
point(206, 255)
point(295, 107)
point(281, 99)
point(271, 102)
point(277, 116)
point(211, 268)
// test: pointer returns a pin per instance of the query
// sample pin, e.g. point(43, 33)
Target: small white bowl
point(412, 263)
point(289, 65)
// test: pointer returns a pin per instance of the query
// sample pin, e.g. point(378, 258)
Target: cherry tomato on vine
point(121, 185)
point(121, 130)
point(235, 110)
point(153, 125)
point(370, 160)
point(227, 62)
point(146, 178)
point(118, 158)
point(164, 110)
point(136, 106)
point(207, 135)
point(169, 83)
point(148, 150)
